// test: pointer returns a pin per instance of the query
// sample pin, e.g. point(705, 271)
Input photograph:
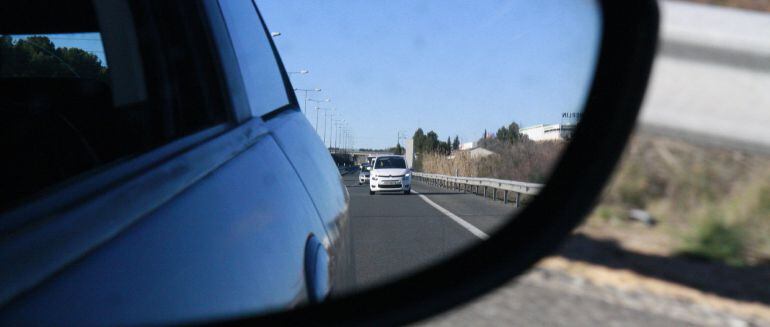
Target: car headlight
point(408, 175)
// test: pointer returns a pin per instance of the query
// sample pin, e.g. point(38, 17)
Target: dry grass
point(714, 203)
point(524, 161)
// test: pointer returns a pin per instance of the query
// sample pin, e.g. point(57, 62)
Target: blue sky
point(455, 67)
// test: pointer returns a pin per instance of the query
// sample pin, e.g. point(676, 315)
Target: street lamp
point(340, 127)
point(345, 140)
point(301, 71)
point(316, 103)
point(326, 115)
point(317, 109)
point(326, 124)
point(334, 133)
point(336, 129)
point(304, 108)
point(274, 34)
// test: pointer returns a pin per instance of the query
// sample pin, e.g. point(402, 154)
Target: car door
point(206, 216)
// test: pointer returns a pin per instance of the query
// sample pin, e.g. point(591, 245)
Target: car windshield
point(390, 162)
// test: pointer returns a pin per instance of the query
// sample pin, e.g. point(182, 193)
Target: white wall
point(542, 132)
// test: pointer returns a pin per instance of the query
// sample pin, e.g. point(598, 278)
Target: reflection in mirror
point(444, 117)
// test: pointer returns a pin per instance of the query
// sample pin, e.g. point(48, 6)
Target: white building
point(552, 132)
point(480, 153)
point(473, 153)
point(467, 146)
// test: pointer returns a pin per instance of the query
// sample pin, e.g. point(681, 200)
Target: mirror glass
point(445, 117)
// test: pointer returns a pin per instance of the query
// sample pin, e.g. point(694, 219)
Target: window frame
point(232, 70)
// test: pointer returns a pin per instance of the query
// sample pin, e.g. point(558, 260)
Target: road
point(710, 79)
point(395, 234)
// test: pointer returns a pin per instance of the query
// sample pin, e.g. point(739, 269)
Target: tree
point(502, 134)
point(509, 134)
point(456, 143)
point(419, 141)
point(513, 129)
point(431, 142)
point(398, 149)
point(37, 56)
point(513, 133)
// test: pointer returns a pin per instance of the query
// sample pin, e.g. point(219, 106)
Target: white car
point(390, 174)
point(363, 175)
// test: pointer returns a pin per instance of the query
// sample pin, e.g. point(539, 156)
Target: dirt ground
point(638, 259)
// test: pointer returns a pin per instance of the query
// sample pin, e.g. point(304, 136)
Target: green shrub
point(714, 239)
point(632, 186)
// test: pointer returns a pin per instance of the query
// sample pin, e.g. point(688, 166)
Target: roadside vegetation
point(513, 157)
point(709, 203)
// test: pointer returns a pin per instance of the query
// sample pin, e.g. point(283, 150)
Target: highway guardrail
point(480, 185)
point(344, 170)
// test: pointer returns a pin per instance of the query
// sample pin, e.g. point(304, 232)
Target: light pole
point(338, 129)
point(316, 103)
point(349, 139)
point(335, 133)
point(341, 136)
point(331, 134)
point(275, 34)
point(326, 115)
point(326, 124)
point(304, 108)
point(400, 136)
point(345, 138)
point(317, 109)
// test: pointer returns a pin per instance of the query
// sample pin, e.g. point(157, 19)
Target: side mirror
point(607, 107)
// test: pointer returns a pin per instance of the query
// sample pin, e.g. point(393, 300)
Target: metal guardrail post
point(505, 197)
point(485, 192)
point(518, 195)
point(494, 194)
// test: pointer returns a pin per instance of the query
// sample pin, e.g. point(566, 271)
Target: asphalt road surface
point(395, 234)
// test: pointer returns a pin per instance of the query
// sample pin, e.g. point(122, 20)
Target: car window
point(394, 162)
point(61, 114)
point(259, 69)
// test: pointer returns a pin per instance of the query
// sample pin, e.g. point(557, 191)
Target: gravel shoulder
point(573, 289)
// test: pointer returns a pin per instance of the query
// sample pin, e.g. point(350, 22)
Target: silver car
point(363, 175)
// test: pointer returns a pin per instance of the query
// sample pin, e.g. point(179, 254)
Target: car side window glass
point(61, 114)
point(57, 107)
point(259, 69)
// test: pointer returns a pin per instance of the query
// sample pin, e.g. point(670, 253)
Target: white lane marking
point(473, 229)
